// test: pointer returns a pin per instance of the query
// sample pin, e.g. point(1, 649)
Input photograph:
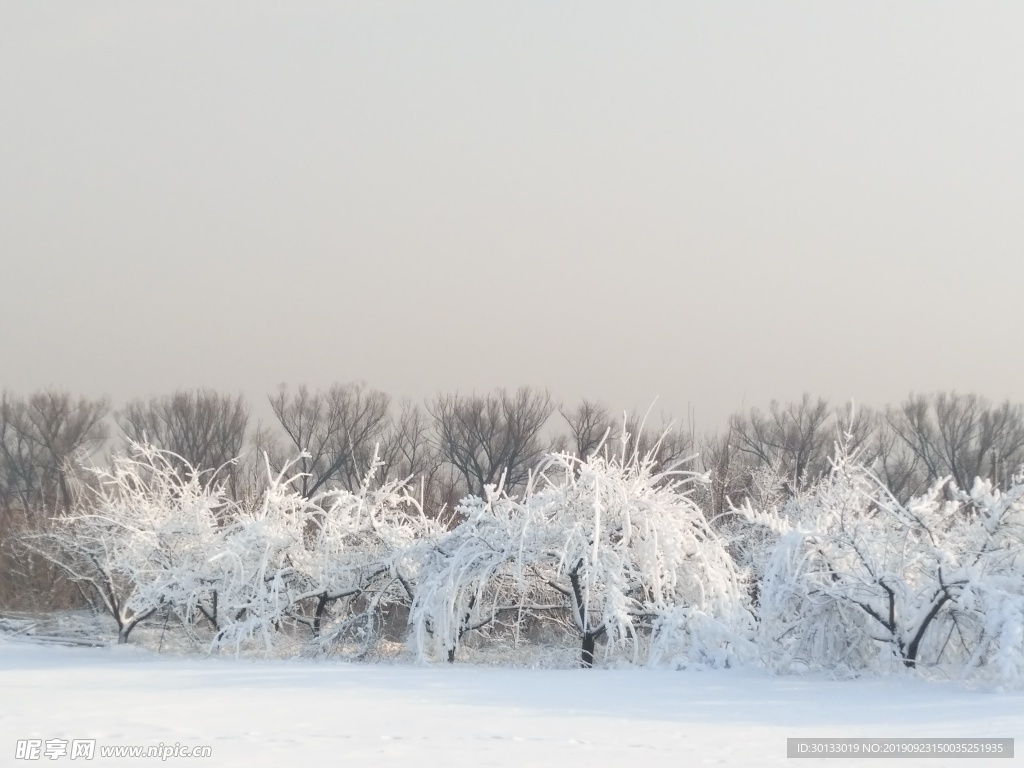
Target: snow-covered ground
point(280, 714)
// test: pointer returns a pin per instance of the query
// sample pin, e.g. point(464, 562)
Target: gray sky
point(712, 203)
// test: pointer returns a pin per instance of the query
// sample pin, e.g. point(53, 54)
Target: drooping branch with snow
point(610, 544)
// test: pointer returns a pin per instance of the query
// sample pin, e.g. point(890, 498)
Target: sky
point(711, 204)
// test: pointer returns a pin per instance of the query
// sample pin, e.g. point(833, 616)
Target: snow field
point(297, 713)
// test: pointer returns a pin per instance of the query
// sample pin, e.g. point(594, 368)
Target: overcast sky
point(714, 203)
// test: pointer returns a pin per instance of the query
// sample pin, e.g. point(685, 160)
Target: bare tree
point(590, 424)
point(961, 436)
point(405, 447)
point(485, 438)
point(41, 437)
point(339, 431)
point(44, 439)
point(203, 427)
point(795, 439)
point(891, 459)
point(406, 452)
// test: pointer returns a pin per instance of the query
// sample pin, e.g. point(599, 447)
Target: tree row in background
point(605, 559)
point(457, 445)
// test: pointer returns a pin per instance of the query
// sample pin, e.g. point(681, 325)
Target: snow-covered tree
point(477, 577)
point(357, 558)
point(330, 562)
point(254, 574)
point(853, 578)
point(153, 533)
point(609, 543)
point(139, 537)
point(993, 594)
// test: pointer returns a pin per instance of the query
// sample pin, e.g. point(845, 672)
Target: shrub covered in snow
point(852, 578)
point(330, 562)
point(608, 558)
point(139, 538)
point(153, 534)
point(610, 546)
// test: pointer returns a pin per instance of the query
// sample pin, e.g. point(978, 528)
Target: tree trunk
point(910, 657)
point(321, 604)
point(587, 654)
point(125, 628)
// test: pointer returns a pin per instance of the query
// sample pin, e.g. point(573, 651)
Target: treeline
point(455, 445)
point(804, 535)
